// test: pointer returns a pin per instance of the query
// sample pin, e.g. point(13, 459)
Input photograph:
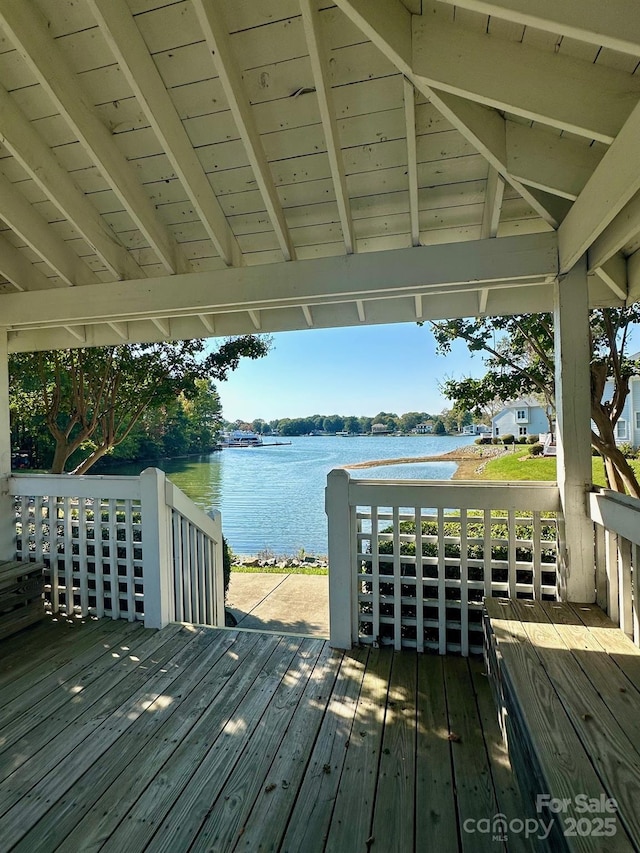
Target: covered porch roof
point(185, 168)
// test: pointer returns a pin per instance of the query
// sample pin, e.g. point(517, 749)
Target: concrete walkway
point(295, 604)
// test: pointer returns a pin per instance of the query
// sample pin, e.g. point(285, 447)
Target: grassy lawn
point(275, 570)
point(519, 466)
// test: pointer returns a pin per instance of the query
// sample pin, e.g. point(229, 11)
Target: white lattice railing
point(410, 562)
point(616, 520)
point(131, 548)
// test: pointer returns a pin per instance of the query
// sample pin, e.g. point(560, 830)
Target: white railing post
point(156, 550)
point(218, 570)
point(7, 521)
point(342, 630)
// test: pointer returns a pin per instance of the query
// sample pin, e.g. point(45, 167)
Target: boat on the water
point(241, 438)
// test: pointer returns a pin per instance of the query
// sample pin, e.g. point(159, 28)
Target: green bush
point(536, 449)
point(522, 439)
point(533, 439)
point(227, 556)
point(484, 439)
point(507, 439)
point(495, 440)
point(628, 451)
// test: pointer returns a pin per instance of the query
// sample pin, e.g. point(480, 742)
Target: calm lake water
point(272, 498)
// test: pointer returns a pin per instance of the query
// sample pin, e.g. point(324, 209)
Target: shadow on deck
point(117, 738)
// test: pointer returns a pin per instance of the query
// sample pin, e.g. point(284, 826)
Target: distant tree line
point(450, 421)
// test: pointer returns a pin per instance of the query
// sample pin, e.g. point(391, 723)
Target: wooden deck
point(117, 738)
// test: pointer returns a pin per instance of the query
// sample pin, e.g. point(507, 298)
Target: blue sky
point(354, 371)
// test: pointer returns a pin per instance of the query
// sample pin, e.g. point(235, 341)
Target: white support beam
point(492, 204)
point(318, 55)
point(612, 185)
point(208, 322)
point(362, 316)
point(219, 43)
point(483, 296)
point(613, 25)
point(308, 316)
point(369, 275)
point(412, 160)
point(27, 29)
point(633, 278)
point(617, 234)
point(555, 164)
point(255, 319)
point(7, 514)
point(121, 330)
point(593, 101)
point(36, 158)
point(36, 232)
point(573, 438)
point(614, 274)
point(19, 270)
point(162, 325)
point(387, 23)
point(129, 48)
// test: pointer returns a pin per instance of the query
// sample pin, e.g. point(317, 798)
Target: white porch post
point(7, 524)
point(573, 413)
point(159, 607)
point(341, 593)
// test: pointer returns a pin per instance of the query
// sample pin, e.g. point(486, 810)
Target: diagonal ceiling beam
point(614, 275)
point(492, 206)
point(620, 231)
point(219, 43)
point(129, 48)
point(28, 31)
point(593, 101)
point(388, 24)
point(320, 68)
point(36, 232)
point(37, 159)
point(613, 24)
point(612, 185)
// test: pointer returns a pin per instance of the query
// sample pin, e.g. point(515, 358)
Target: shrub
point(484, 439)
point(522, 439)
point(536, 449)
point(507, 439)
point(226, 565)
point(628, 451)
point(533, 439)
point(495, 440)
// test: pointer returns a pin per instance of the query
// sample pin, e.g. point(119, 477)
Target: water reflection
point(272, 498)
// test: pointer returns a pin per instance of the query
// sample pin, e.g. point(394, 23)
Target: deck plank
point(182, 741)
point(181, 794)
point(309, 822)
point(619, 647)
point(473, 780)
point(350, 827)
point(393, 819)
point(435, 799)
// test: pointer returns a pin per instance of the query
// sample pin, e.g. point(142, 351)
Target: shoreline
point(468, 460)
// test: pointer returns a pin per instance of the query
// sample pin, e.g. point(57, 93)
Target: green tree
point(91, 399)
point(520, 361)
point(438, 427)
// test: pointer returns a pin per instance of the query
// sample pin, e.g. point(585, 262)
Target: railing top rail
point(618, 513)
point(74, 486)
point(463, 494)
point(177, 500)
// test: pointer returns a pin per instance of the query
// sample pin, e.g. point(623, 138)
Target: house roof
point(177, 168)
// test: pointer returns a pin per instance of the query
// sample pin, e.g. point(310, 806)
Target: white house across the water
point(520, 418)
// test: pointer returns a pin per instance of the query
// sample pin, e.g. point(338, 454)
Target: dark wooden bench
point(567, 684)
point(21, 601)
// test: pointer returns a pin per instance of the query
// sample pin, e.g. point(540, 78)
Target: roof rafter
point(15, 267)
point(620, 231)
point(217, 38)
point(388, 24)
point(37, 159)
point(613, 25)
point(28, 31)
point(129, 48)
point(22, 218)
point(614, 275)
point(492, 205)
point(614, 183)
point(320, 69)
point(593, 101)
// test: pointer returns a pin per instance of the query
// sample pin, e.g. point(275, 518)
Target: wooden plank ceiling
point(156, 148)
